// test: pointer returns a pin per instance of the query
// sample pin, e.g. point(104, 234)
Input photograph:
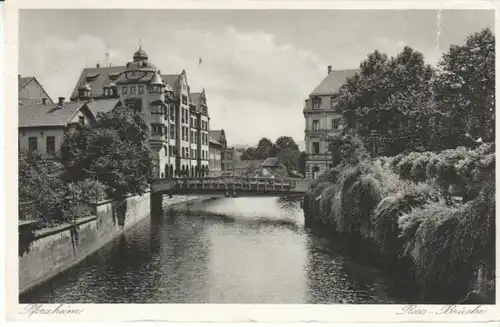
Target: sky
point(258, 66)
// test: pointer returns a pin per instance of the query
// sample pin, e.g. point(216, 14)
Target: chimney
point(44, 101)
point(329, 69)
point(97, 65)
point(61, 101)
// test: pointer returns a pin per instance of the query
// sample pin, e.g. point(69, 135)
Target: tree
point(265, 149)
point(465, 88)
point(115, 153)
point(39, 184)
point(248, 154)
point(386, 95)
point(286, 142)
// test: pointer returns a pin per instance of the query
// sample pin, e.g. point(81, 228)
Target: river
point(226, 250)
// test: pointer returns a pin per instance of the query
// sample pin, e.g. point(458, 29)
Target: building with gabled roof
point(41, 127)
point(323, 120)
point(103, 105)
point(30, 91)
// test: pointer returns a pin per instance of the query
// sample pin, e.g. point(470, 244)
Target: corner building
point(323, 120)
point(164, 101)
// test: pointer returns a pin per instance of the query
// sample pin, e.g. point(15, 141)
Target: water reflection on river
point(243, 250)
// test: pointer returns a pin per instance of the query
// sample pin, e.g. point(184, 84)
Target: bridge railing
point(233, 182)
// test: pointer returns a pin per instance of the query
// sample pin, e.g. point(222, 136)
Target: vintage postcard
point(253, 161)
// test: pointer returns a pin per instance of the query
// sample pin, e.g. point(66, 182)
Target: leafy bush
point(38, 183)
point(449, 245)
point(386, 215)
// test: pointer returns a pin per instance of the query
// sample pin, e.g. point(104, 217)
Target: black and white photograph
point(256, 156)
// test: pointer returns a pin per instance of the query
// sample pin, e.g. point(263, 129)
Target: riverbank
point(45, 253)
point(412, 229)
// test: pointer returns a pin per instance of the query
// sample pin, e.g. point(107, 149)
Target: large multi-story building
point(179, 121)
point(322, 120)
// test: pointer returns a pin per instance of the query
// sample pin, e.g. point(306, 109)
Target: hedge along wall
point(46, 253)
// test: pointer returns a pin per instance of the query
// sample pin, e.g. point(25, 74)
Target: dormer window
point(113, 76)
point(91, 77)
point(316, 102)
point(109, 91)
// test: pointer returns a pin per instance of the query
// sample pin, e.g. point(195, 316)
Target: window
point(51, 144)
point(81, 120)
point(335, 123)
point(132, 90)
point(172, 113)
point(333, 102)
point(124, 90)
point(184, 99)
point(33, 143)
point(316, 103)
point(157, 109)
point(172, 132)
point(157, 129)
point(315, 125)
point(134, 104)
point(315, 147)
point(141, 89)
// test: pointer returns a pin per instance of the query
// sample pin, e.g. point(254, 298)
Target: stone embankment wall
point(45, 253)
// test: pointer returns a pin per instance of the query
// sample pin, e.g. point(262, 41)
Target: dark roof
point(196, 99)
point(173, 81)
point(102, 105)
point(97, 78)
point(35, 115)
point(271, 162)
point(333, 82)
point(216, 134)
point(213, 141)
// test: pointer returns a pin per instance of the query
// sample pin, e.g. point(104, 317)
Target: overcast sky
point(257, 66)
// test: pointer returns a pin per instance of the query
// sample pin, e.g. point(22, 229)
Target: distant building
point(42, 127)
point(228, 154)
point(179, 121)
point(322, 120)
point(215, 157)
point(31, 91)
point(273, 167)
point(247, 168)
